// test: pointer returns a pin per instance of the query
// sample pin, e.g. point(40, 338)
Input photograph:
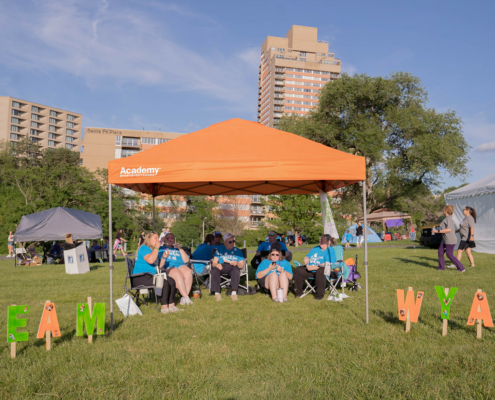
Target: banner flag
point(329, 227)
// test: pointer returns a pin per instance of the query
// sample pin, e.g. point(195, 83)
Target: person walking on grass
point(359, 234)
point(466, 231)
point(10, 242)
point(449, 240)
point(118, 243)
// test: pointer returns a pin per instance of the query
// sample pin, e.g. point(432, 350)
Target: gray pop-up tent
point(55, 223)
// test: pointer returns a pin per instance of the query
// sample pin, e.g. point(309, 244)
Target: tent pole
point(153, 213)
point(110, 252)
point(365, 248)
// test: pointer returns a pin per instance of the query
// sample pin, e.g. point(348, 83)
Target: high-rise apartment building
point(292, 71)
point(101, 145)
point(47, 126)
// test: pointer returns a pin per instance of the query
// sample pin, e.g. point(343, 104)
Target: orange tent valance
point(237, 157)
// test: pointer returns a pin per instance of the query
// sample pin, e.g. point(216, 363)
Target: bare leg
point(272, 283)
point(179, 281)
point(188, 278)
point(283, 282)
point(470, 256)
point(459, 254)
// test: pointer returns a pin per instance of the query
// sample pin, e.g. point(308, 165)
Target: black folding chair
point(134, 290)
point(202, 276)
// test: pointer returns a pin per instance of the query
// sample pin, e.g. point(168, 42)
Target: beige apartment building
point(292, 72)
point(101, 145)
point(49, 127)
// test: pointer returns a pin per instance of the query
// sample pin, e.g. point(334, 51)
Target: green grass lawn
point(255, 348)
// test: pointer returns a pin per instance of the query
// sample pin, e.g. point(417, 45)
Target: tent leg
point(110, 253)
point(153, 213)
point(365, 248)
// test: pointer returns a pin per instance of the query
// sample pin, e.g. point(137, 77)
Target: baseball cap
point(217, 233)
point(227, 236)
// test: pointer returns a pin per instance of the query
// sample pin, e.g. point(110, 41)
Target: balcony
point(278, 95)
point(255, 198)
point(257, 210)
point(279, 82)
point(279, 76)
point(279, 88)
point(129, 142)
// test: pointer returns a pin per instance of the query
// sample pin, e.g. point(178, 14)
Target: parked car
point(427, 238)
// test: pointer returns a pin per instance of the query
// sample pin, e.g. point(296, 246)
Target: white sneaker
point(451, 266)
point(189, 301)
point(182, 301)
point(164, 310)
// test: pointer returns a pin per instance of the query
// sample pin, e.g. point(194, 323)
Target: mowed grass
point(255, 348)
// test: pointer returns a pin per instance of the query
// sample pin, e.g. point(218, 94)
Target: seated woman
point(204, 252)
point(274, 273)
point(175, 258)
point(145, 263)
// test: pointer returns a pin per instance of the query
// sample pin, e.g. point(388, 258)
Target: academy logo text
point(134, 172)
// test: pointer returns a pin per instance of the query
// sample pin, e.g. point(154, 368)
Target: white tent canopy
point(479, 195)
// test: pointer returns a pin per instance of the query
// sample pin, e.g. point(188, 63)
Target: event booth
point(54, 224)
point(237, 157)
point(479, 195)
point(372, 237)
point(387, 217)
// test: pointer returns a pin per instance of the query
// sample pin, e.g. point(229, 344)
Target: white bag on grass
point(127, 306)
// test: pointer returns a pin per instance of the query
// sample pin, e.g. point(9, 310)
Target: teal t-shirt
point(217, 246)
point(265, 264)
point(204, 252)
point(174, 259)
point(318, 256)
point(141, 266)
point(232, 255)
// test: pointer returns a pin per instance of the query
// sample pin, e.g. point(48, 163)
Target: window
point(14, 136)
point(51, 143)
point(128, 153)
point(281, 49)
point(35, 109)
point(70, 117)
point(16, 104)
point(69, 131)
point(130, 142)
point(69, 146)
point(52, 136)
point(52, 128)
point(34, 132)
point(82, 149)
point(70, 124)
point(81, 162)
point(14, 128)
point(302, 59)
point(118, 153)
point(53, 113)
point(69, 139)
point(35, 117)
point(33, 139)
point(15, 112)
point(273, 48)
point(53, 121)
point(302, 54)
point(14, 120)
point(146, 140)
point(118, 141)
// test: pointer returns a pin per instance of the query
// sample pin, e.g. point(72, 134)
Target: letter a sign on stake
point(480, 311)
point(48, 323)
point(409, 311)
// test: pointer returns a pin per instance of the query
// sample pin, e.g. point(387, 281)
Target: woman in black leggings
point(145, 263)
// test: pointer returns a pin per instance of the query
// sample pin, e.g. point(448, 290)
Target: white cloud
point(490, 146)
point(251, 57)
point(108, 44)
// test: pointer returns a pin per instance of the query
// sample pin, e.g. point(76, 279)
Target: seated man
point(228, 260)
point(218, 239)
point(315, 267)
point(272, 239)
point(92, 251)
point(55, 253)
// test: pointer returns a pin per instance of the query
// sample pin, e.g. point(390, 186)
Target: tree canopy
point(407, 146)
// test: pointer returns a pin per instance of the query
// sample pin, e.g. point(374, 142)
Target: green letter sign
point(13, 323)
point(83, 318)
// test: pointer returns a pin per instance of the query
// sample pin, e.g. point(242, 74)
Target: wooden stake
point(13, 347)
point(479, 321)
point(48, 335)
point(408, 317)
point(445, 321)
point(90, 337)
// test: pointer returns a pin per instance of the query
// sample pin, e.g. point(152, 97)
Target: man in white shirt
point(162, 235)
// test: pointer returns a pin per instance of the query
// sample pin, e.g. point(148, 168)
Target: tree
point(228, 218)
point(298, 213)
point(406, 145)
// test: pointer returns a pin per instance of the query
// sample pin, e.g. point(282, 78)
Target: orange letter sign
point(49, 322)
point(410, 305)
point(480, 310)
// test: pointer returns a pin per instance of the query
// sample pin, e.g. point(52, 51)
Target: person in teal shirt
point(274, 273)
point(175, 259)
point(315, 267)
point(272, 239)
point(204, 252)
point(218, 239)
point(146, 258)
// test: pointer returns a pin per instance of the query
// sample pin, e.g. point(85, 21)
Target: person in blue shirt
point(347, 239)
point(275, 273)
point(315, 267)
point(204, 251)
point(175, 259)
point(272, 239)
point(218, 239)
point(146, 258)
point(228, 260)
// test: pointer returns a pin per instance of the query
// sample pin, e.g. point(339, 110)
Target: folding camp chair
point(309, 287)
point(201, 272)
point(225, 279)
point(354, 276)
point(135, 290)
point(339, 277)
point(23, 256)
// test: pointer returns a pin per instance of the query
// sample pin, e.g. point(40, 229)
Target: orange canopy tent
point(237, 157)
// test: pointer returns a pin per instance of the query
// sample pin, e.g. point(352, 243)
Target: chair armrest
point(140, 274)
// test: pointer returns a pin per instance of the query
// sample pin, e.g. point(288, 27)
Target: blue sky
point(183, 66)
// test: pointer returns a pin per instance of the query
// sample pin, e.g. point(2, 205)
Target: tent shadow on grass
point(417, 262)
point(387, 317)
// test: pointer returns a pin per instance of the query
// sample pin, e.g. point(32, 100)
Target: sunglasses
point(231, 241)
point(271, 234)
point(275, 254)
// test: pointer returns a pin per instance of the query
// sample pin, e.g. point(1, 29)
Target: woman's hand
point(280, 269)
point(272, 266)
point(165, 254)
